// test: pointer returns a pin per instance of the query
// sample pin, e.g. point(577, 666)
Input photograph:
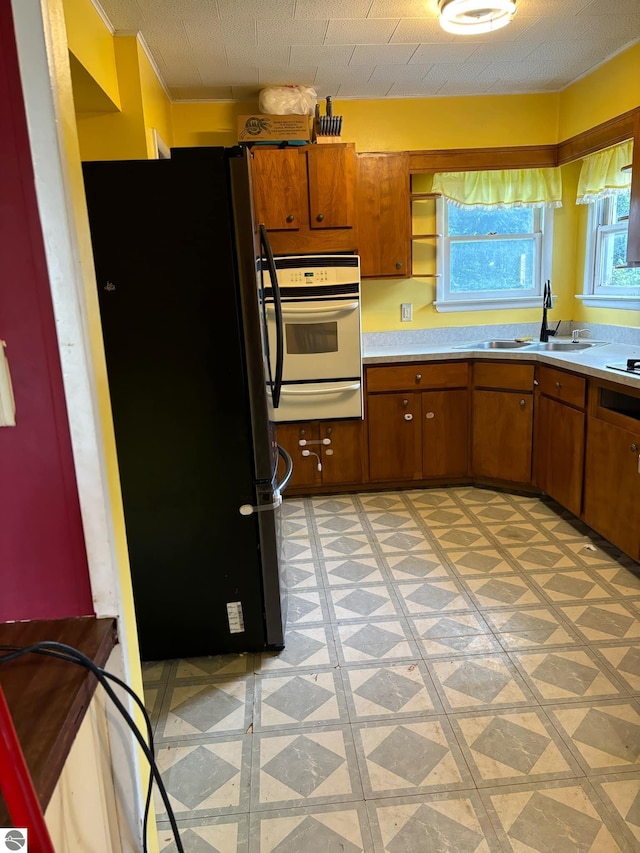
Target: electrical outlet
point(406, 312)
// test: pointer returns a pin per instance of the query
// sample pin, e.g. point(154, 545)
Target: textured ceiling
point(230, 49)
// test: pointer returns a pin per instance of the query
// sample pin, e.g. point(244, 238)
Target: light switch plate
point(406, 312)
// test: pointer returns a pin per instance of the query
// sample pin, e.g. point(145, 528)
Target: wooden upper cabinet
point(384, 214)
point(331, 177)
point(277, 188)
point(633, 242)
point(305, 196)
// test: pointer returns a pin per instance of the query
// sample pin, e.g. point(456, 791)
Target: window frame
point(486, 300)
point(600, 226)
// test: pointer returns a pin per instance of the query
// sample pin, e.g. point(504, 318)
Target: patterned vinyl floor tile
point(530, 628)
point(295, 768)
point(307, 699)
point(225, 834)
point(391, 691)
point(415, 756)
point(340, 828)
point(461, 674)
point(604, 736)
point(553, 816)
point(564, 674)
point(622, 792)
point(436, 823)
point(510, 747)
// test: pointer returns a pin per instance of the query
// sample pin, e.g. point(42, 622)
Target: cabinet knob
point(558, 384)
point(320, 217)
point(429, 416)
point(418, 377)
point(405, 403)
point(408, 416)
point(398, 265)
point(522, 404)
point(290, 217)
point(634, 448)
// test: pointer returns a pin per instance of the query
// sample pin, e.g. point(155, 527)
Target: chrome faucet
point(575, 335)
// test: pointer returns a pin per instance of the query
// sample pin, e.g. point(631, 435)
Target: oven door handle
point(335, 309)
point(265, 246)
point(311, 392)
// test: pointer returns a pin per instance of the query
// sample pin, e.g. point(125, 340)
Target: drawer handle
point(522, 404)
point(398, 265)
point(290, 217)
point(558, 384)
point(320, 217)
point(634, 448)
point(418, 377)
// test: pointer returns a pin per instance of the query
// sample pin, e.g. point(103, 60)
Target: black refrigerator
point(180, 268)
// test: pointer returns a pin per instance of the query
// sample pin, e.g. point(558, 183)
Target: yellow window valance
point(501, 188)
point(601, 175)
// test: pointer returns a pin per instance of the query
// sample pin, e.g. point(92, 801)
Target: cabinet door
point(445, 433)
point(559, 452)
point(331, 175)
point(384, 216)
point(502, 435)
point(395, 436)
point(342, 459)
point(305, 468)
point(278, 187)
point(612, 485)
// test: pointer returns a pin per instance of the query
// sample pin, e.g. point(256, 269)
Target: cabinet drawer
point(566, 387)
point(514, 377)
point(417, 376)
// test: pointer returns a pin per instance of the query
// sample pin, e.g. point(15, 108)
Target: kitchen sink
point(566, 346)
point(495, 345)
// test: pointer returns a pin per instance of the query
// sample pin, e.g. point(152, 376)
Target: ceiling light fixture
point(470, 17)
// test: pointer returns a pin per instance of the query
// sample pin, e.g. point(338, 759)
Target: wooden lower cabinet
point(445, 433)
point(395, 436)
point(335, 452)
point(559, 439)
point(418, 436)
point(559, 452)
point(502, 435)
point(612, 484)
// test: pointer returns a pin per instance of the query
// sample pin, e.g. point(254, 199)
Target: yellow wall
point(155, 104)
point(91, 44)
point(610, 90)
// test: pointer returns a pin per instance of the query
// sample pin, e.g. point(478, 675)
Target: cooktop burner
point(631, 365)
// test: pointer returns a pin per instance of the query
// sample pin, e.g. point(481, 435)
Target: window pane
point(622, 204)
point(614, 254)
point(471, 222)
point(491, 265)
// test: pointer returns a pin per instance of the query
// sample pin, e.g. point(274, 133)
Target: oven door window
point(311, 338)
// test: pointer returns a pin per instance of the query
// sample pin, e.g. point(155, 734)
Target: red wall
point(43, 565)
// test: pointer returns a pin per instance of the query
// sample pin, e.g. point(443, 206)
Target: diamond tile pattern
point(460, 673)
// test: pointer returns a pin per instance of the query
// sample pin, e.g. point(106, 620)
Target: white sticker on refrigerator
point(235, 616)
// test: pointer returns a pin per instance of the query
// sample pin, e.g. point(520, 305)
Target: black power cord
point(61, 651)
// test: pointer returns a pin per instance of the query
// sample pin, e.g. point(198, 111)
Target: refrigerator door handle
point(265, 245)
point(247, 509)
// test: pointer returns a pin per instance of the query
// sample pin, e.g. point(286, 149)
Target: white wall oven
point(314, 333)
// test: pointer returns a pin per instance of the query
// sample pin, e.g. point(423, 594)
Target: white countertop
point(589, 362)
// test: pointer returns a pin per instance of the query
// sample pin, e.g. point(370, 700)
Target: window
point(606, 274)
point(493, 258)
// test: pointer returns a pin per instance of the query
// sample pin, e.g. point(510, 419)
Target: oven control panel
point(302, 276)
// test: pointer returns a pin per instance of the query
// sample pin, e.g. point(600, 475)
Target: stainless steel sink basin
point(495, 345)
point(564, 346)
